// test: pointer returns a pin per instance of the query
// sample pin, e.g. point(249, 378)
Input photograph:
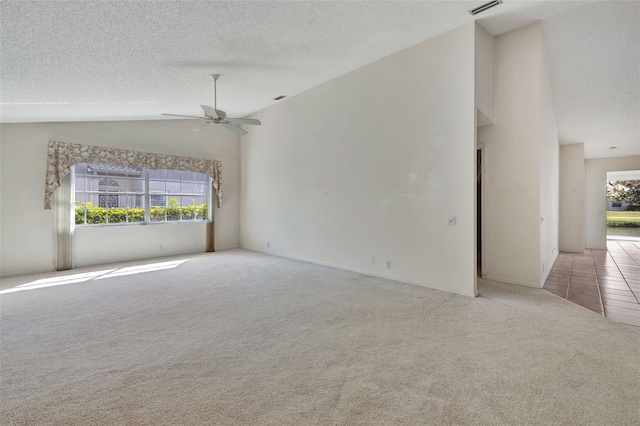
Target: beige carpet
point(239, 338)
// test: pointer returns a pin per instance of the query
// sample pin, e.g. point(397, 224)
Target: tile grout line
point(566, 294)
point(623, 277)
point(595, 270)
point(631, 257)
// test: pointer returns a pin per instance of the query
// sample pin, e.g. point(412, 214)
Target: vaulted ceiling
point(133, 60)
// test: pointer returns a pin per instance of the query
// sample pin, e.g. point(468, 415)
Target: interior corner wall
point(28, 233)
point(363, 171)
point(596, 195)
point(484, 63)
point(572, 198)
point(520, 195)
point(512, 170)
point(549, 173)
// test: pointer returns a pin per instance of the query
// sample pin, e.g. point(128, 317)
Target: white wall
point(596, 196)
point(521, 179)
point(549, 173)
point(97, 245)
point(484, 63)
point(27, 230)
point(371, 164)
point(511, 197)
point(572, 198)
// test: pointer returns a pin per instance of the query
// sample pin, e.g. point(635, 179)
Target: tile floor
point(605, 281)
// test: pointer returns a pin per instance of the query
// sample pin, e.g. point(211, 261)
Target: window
point(616, 204)
point(114, 195)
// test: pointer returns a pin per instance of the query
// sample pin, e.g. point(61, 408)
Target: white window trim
point(147, 208)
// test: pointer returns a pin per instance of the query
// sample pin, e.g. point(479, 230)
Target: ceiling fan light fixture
point(485, 6)
point(218, 117)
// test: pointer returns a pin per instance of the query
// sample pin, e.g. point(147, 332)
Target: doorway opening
point(623, 205)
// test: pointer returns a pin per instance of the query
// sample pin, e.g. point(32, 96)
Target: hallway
point(604, 281)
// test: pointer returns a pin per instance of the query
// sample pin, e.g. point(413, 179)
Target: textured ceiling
point(133, 60)
point(593, 56)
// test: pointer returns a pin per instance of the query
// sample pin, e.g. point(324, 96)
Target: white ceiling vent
point(485, 6)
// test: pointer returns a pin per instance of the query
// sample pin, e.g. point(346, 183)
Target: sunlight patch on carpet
point(95, 275)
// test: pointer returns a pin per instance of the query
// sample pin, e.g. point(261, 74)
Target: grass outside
point(623, 219)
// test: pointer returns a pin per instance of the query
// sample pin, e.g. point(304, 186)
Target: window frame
point(145, 177)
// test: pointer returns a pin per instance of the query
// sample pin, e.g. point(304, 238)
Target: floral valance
point(62, 156)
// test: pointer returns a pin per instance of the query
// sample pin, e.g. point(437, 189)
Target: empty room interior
point(310, 212)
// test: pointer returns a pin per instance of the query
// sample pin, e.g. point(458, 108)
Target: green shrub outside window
point(175, 212)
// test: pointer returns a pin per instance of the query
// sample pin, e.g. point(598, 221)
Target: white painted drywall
point(28, 244)
point(97, 245)
point(511, 197)
point(596, 195)
point(26, 229)
point(549, 172)
point(484, 74)
point(371, 164)
point(572, 198)
point(521, 166)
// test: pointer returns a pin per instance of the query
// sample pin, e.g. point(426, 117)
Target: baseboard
point(227, 248)
point(19, 274)
point(570, 250)
point(512, 281)
point(546, 273)
point(364, 272)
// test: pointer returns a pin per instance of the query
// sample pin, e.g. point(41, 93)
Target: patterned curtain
point(65, 227)
point(62, 156)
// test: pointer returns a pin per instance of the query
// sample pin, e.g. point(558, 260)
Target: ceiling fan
point(215, 116)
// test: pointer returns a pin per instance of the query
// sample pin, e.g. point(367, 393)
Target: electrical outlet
point(452, 221)
point(388, 264)
point(372, 260)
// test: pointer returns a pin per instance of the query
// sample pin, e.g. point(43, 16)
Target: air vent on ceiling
point(485, 6)
point(279, 97)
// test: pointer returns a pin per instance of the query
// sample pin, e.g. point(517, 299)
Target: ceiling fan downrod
point(215, 90)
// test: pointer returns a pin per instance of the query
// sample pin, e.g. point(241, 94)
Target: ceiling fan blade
point(209, 112)
point(251, 121)
point(200, 127)
point(190, 116)
point(234, 129)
